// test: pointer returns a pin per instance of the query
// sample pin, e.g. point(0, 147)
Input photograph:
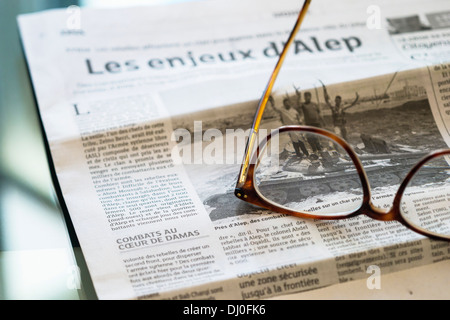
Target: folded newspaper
point(146, 111)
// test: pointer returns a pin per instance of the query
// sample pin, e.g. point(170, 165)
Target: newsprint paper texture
point(146, 110)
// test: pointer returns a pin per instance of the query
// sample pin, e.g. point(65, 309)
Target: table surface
point(37, 258)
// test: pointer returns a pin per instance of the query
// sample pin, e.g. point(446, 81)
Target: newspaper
point(146, 111)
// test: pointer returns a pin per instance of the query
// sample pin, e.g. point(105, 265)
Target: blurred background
point(38, 259)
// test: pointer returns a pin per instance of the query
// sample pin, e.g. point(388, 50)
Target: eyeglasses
point(330, 182)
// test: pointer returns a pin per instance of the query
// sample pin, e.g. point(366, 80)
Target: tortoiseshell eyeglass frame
point(245, 187)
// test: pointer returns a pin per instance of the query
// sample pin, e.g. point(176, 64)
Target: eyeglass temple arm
point(266, 95)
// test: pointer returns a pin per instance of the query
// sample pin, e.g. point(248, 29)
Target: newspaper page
point(146, 111)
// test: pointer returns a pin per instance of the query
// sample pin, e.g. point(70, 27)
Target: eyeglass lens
point(311, 173)
point(426, 200)
point(308, 172)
